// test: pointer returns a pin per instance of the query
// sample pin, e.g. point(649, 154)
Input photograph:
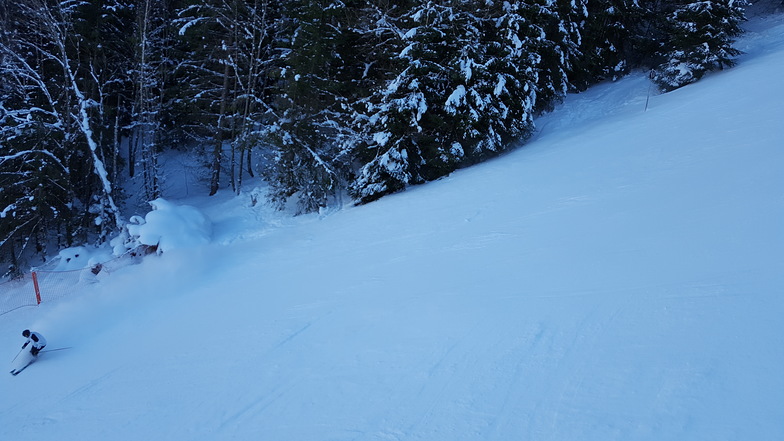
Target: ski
point(16, 372)
point(30, 359)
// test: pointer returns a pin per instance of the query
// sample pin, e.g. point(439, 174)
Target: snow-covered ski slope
point(619, 278)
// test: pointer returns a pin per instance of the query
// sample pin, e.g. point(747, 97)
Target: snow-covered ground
point(619, 278)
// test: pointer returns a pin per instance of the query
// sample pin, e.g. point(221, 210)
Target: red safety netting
point(48, 285)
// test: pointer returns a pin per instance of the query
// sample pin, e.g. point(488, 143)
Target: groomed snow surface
point(621, 277)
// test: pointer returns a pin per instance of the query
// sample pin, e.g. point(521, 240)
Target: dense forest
point(321, 98)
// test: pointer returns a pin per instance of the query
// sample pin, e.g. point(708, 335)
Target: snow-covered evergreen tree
point(605, 44)
point(306, 159)
point(555, 31)
point(34, 177)
point(701, 37)
point(51, 108)
point(501, 81)
point(464, 88)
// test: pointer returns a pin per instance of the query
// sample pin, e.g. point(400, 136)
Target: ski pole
point(56, 349)
point(17, 355)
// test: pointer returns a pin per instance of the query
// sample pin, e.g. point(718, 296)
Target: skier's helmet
point(26, 333)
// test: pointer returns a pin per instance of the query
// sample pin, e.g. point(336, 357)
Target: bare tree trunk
point(232, 171)
point(132, 153)
point(218, 149)
point(250, 165)
point(146, 110)
point(116, 141)
point(235, 178)
point(259, 26)
point(239, 178)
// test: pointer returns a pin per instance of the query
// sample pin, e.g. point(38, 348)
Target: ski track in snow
point(618, 278)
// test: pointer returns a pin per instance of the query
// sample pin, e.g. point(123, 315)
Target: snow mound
point(171, 226)
point(75, 258)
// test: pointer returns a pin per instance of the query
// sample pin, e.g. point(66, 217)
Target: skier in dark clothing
point(34, 339)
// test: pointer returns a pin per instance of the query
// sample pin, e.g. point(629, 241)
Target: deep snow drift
point(619, 278)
